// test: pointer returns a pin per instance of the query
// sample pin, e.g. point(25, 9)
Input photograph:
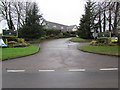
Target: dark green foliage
point(87, 22)
point(30, 32)
point(49, 32)
point(66, 34)
point(31, 29)
point(54, 33)
point(69, 34)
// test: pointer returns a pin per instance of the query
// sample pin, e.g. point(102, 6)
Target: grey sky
point(67, 12)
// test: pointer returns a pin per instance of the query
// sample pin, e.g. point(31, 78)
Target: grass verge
point(109, 50)
point(76, 39)
point(8, 53)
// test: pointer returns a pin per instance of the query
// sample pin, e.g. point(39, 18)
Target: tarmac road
point(62, 54)
point(65, 65)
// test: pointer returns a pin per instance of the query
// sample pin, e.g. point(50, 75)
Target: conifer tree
point(32, 28)
point(87, 22)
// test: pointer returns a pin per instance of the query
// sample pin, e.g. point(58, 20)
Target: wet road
point(70, 68)
point(62, 54)
point(61, 79)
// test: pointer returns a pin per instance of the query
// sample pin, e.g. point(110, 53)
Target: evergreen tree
point(32, 28)
point(87, 22)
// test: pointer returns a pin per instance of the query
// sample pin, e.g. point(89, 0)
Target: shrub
point(21, 40)
point(93, 42)
point(11, 44)
point(113, 44)
point(103, 41)
point(30, 32)
point(20, 45)
point(66, 34)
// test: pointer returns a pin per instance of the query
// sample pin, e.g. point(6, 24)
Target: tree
point(6, 11)
point(87, 21)
point(32, 28)
point(110, 18)
point(117, 6)
point(104, 19)
point(19, 11)
point(99, 22)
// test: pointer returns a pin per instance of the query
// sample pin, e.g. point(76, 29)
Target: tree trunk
point(116, 17)
point(104, 21)
point(110, 18)
point(11, 25)
point(100, 27)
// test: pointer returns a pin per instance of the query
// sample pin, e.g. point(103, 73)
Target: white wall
point(74, 29)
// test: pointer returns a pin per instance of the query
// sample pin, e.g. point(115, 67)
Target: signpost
point(7, 34)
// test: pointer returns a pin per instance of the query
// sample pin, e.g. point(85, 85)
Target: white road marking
point(76, 70)
point(108, 69)
point(15, 70)
point(46, 70)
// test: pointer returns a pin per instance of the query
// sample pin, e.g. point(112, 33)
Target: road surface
point(59, 64)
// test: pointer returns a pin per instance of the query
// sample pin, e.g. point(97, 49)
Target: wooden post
point(6, 41)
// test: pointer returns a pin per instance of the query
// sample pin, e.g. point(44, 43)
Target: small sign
point(10, 33)
point(114, 39)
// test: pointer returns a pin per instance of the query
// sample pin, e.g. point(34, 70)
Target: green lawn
point(110, 50)
point(20, 51)
point(76, 39)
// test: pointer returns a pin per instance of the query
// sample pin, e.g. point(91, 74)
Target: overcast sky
point(67, 12)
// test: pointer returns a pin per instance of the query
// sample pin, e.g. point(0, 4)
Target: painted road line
point(108, 69)
point(76, 70)
point(46, 70)
point(15, 70)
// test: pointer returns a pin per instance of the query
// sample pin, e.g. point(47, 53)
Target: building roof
point(59, 26)
point(56, 25)
point(71, 27)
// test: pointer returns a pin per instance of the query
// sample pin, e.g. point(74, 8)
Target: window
point(62, 27)
point(54, 26)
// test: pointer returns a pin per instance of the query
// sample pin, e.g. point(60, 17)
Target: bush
point(21, 40)
point(21, 45)
point(49, 32)
point(93, 42)
point(103, 41)
point(43, 38)
point(31, 32)
point(11, 44)
point(66, 34)
point(113, 44)
point(85, 34)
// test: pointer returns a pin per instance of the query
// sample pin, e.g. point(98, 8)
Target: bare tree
point(110, 17)
point(107, 15)
point(115, 24)
point(99, 16)
point(6, 13)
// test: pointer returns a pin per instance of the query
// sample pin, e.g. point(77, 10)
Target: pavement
point(59, 64)
point(61, 79)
